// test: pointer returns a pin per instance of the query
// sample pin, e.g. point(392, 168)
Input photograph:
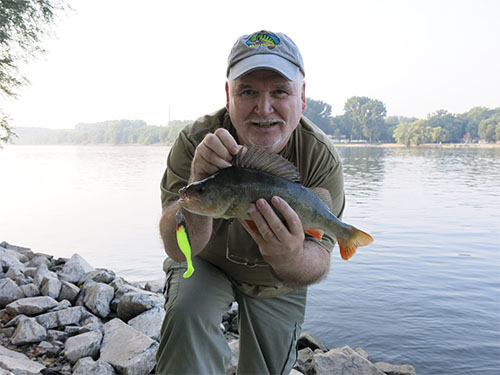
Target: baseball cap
point(265, 50)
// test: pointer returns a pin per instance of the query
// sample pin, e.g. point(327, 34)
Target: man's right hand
point(215, 152)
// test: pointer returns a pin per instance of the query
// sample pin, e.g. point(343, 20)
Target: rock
point(361, 352)
point(344, 361)
point(306, 340)
point(99, 276)
point(129, 351)
point(30, 290)
point(295, 372)
point(9, 292)
point(234, 345)
point(389, 369)
point(68, 292)
point(92, 323)
point(11, 353)
point(61, 318)
point(9, 258)
point(149, 322)
point(17, 275)
point(83, 345)
point(39, 259)
point(155, 286)
point(31, 306)
point(41, 273)
point(75, 269)
point(87, 366)
point(50, 287)
point(98, 297)
point(134, 303)
point(20, 366)
point(26, 251)
point(305, 361)
point(28, 331)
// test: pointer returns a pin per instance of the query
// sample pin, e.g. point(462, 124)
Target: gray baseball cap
point(265, 50)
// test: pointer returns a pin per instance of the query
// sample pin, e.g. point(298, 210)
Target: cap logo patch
point(263, 39)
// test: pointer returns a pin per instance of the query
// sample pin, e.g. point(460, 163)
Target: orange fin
point(251, 225)
point(315, 233)
point(355, 239)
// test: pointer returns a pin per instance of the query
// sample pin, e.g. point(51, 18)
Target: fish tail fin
point(352, 241)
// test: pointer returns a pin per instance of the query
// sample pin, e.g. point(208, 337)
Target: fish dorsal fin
point(324, 195)
point(258, 157)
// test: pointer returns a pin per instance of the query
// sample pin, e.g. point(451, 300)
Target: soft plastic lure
point(183, 242)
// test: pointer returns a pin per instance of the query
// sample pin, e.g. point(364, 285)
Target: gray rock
point(344, 361)
point(87, 366)
point(11, 353)
point(305, 361)
point(234, 345)
point(26, 251)
point(361, 352)
point(99, 276)
point(30, 290)
point(61, 318)
point(38, 259)
point(5, 372)
point(306, 340)
point(149, 322)
point(155, 286)
point(9, 258)
point(75, 268)
point(92, 323)
point(17, 275)
point(9, 292)
point(134, 303)
point(64, 304)
point(69, 291)
point(98, 297)
point(31, 305)
point(50, 287)
point(41, 273)
point(129, 351)
point(56, 335)
point(20, 366)
point(389, 369)
point(83, 345)
point(28, 331)
point(117, 283)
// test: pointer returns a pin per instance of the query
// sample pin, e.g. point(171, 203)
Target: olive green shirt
point(230, 247)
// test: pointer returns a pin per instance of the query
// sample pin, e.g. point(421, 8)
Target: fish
point(257, 172)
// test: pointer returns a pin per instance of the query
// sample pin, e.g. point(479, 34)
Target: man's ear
point(227, 95)
point(303, 98)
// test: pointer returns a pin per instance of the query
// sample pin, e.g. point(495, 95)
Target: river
point(426, 292)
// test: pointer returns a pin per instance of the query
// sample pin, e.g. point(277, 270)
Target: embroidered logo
point(263, 39)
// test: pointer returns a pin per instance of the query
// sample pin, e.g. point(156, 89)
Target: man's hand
point(215, 152)
point(295, 261)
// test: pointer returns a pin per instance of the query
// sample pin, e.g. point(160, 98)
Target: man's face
point(265, 107)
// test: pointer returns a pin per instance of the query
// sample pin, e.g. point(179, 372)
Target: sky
point(166, 60)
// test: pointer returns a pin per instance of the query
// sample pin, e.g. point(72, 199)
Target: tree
point(488, 129)
point(23, 24)
point(320, 113)
point(365, 117)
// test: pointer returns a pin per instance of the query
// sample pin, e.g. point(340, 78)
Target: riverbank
point(65, 316)
point(425, 145)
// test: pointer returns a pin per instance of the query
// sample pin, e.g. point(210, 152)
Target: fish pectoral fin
point(251, 225)
point(355, 239)
point(316, 233)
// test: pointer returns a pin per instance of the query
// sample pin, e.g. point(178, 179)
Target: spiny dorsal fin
point(324, 195)
point(258, 157)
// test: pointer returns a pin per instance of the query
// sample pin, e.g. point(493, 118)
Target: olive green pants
point(191, 339)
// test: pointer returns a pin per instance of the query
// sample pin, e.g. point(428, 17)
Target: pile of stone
point(63, 316)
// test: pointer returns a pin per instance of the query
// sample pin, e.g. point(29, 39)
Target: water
point(425, 293)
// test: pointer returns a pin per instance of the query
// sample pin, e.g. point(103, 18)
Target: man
point(266, 270)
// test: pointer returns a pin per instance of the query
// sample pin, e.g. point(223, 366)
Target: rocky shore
point(63, 316)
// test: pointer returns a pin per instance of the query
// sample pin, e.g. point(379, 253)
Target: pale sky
point(124, 59)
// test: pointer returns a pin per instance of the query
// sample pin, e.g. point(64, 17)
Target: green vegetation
point(364, 120)
point(23, 24)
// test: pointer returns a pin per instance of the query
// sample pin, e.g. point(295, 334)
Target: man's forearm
point(198, 238)
point(309, 268)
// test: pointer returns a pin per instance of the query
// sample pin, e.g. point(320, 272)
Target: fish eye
point(200, 188)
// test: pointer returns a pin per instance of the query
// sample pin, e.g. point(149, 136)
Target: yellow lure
point(183, 242)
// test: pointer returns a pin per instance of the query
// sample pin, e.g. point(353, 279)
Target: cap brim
point(264, 61)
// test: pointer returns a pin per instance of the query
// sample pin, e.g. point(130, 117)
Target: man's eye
point(247, 92)
point(280, 93)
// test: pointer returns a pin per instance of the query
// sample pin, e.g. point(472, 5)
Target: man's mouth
point(265, 123)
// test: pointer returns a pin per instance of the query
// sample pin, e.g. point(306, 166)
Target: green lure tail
point(183, 242)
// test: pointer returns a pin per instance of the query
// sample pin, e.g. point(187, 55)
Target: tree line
point(366, 119)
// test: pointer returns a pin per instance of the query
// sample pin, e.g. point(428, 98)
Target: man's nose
point(264, 106)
